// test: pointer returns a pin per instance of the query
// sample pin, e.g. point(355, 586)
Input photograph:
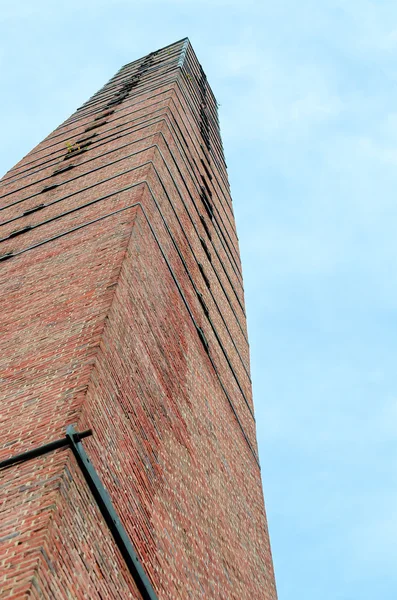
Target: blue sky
point(308, 94)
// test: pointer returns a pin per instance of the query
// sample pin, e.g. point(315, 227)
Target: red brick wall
point(99, 322)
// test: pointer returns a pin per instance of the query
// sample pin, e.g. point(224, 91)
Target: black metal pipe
point(112, 520)
point(50, 447)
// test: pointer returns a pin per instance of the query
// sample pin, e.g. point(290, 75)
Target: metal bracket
point(24, 456)
point(73, 441)
point(109, 514)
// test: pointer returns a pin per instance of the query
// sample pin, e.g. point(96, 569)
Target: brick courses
point(123, 311)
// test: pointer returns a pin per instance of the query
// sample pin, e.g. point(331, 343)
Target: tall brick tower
point(129, 463)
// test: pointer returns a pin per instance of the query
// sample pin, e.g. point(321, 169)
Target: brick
point(123, 312)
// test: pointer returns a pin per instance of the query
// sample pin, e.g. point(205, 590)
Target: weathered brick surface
point(99, 326)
